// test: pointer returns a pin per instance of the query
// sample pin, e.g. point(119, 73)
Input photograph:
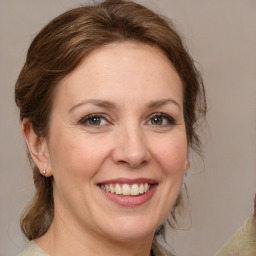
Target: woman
point(109, 99)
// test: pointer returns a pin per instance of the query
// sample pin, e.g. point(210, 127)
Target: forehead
point(120, 69)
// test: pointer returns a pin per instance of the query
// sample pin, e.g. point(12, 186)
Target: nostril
point(123, 162)
point(131, 151)
point(132, 164)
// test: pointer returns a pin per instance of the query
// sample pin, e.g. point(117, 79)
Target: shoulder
point(243, 242)
point(32, 249)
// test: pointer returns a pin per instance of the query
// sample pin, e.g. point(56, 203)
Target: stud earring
point(44, 172)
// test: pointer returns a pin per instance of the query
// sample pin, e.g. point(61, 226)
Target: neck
point(61, 240)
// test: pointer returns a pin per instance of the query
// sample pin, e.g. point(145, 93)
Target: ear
point(187, 165)
point(37, 146)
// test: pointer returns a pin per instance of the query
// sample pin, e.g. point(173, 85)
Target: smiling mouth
point(126, 189)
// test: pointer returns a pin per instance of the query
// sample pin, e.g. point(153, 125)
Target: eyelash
point(168, 118)
point(88, 118)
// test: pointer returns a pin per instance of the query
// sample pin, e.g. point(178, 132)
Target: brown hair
point(59, 48)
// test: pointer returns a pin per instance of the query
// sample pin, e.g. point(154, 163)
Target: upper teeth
point(125, 189)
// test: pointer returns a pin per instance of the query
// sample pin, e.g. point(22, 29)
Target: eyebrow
point(159, 103)
point(108, 104)
point(99, 103)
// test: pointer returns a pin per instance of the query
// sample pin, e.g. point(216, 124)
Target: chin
point(131, 228)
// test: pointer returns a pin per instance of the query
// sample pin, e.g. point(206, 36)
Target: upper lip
point(129, 181)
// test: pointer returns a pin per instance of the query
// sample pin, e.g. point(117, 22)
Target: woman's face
point(117, 143)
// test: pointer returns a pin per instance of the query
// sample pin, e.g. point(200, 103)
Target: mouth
point(127, 189)
point(129, 192)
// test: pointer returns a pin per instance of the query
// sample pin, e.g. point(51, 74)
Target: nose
point(131, 148)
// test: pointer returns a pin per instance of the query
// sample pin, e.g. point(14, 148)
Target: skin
point(126, 142)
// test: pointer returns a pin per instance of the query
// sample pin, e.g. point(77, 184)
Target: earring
point(44, 172)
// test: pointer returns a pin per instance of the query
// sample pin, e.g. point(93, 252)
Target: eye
point(160, 119)
point(94, 120)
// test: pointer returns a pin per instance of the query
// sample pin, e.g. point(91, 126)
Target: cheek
point(77, 156)
point(171, 154)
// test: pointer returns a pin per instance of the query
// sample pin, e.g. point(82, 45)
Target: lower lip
point(131, 201)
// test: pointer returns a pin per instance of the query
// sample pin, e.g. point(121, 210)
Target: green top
point(243, 242)
point(32, 249)
point(158, 250)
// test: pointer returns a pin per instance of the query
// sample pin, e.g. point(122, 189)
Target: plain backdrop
point(221, 36)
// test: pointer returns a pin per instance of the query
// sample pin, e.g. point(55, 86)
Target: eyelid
point(170, 119)
point(84, 119)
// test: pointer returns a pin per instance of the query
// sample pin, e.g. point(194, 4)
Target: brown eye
point(157, 120)
point(160, 119)
point(94, 120)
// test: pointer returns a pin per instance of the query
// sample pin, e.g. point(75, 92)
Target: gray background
point(221, 36)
